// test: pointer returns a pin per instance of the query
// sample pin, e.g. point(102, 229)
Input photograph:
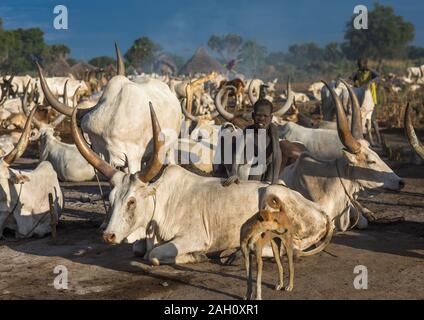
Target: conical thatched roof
point(202, 62)
point(80, 69)
point(60, 68)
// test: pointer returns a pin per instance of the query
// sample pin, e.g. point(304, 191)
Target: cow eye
point(371, 162)
point(131, 203)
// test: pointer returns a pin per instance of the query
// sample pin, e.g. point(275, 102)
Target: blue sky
point(181, 26)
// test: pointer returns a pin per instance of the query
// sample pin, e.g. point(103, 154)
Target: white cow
point(56, 85)
point(333, 183)
point(119, 125)
point(25, 206)
point(65, 158)
point(315, 89)
point(186, 216)
point(415, 73)
point(298, 97)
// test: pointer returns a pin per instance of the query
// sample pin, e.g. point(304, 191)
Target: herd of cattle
point(133, 126)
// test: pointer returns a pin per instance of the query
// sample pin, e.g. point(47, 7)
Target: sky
point(181, 26)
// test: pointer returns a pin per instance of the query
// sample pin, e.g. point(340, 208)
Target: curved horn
point(187, 104)
point(51, 99)
point(323, 245)
point(65, 93)
point(87, 153)
point(25, 108)
point(228, 116)
point(155, 162)
point(61, 117)
point(410, 133)
point(356, 124)
point(187, 114)
point(290, 98)
point(351, 144)
point(19, 149)
point(120, 66)
point(250, 90)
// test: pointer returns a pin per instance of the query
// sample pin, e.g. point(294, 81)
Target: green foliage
point(178, 60)
point(19, 48)
point(415, 52)
point(252, 56)
point(142, 53)
point(102, 61)
point(227, 46)
point(386, 37)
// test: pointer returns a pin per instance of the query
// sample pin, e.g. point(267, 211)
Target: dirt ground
point(392, 252)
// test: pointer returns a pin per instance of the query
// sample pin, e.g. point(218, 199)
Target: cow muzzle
point(109, 238)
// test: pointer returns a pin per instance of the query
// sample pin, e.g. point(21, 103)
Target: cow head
point(365, 166)
point(132, 196)
point(44, 128)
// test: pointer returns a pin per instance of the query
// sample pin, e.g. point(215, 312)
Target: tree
point(178, 60)
point(21, 48)
point(102, 61)
point(252, 57)
point(387, 35)
point(227, 46)
point(415, 52)
point(142, 53)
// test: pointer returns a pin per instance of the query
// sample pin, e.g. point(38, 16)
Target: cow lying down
point(24, 194)
point(185, 216)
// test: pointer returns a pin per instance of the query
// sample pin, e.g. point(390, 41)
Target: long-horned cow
point(186, 216)
point(25, 205)
point(65, 158)
point(119, 125)
point(334, 184)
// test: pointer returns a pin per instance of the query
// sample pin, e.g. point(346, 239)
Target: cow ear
point(351, 158)
point(19, 179)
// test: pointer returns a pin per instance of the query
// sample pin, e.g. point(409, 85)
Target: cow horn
point(187, 104)
point(61, 117)
point(51, 99)
point(223, 92)
point(356, 124)
point(120, 66)
point(351, 144)
point(410, 133)
point(323, 245)
point(290, 98)
point(89, 155)
point(25, 109)
point(155, 162)
point(250, 90)
point(19, 149)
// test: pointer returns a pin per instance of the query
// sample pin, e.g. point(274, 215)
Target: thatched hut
point(202, 62)
point(81, 69)
point(60, 68)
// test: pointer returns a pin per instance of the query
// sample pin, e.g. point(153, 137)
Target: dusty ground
point(392, 253)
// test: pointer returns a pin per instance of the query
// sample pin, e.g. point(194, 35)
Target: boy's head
point(363, 63)
point(262, 113)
